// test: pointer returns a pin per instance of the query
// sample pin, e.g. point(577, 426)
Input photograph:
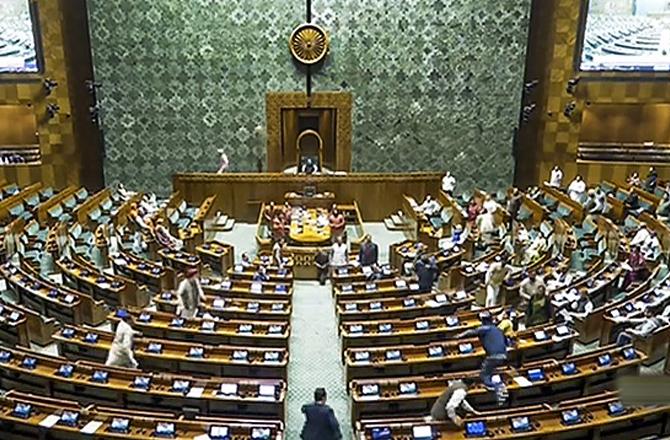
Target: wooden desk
point(276, 274)
point(159, 325)
point(410, 331)
point(241, 194)
point(356, 274)
point(174, 357)
point(405, 307)
point(416, 360)
point(233, 308)
point(219, 256)
point(53, 300)
point(636, 422)
point(142, 424)
point(589, 378)
point(144, 272)
point(113, 290)
point(577, 210)
point(120, 390)
point(318, 200)
point(179, 261)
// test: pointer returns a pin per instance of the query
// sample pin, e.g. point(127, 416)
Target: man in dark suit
point(427, 272)
point(368, 253)
point(320, 421)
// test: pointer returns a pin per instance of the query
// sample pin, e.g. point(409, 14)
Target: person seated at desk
point(634, 179)
point(635, 268)
point(457, 238)
point(578, 309)
point(494, 343)
point(539, 309)
point(556, 178)
point(429, 207)
point(644, 327)
point(123, 192)
point(651, 180)
point(448, 183)
point(189, 294)
point(148, 204)
point(536, 249)
point(452, 405)
point(261, 275)
point(427, 272)
point(651, 248)
point(121, 351)
point(663, 209)
point(164, 238)
point(337, 223)
point(577, 189)
point(599, 202)
point(322, 261)
point(368, 253)
point(309, 166)
point(246, 261)
point(631, 204)
point(320, 421)
point(641, 235)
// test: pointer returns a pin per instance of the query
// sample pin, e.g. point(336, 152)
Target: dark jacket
point(368, 254)
point(427, 274)
point(320, 423)
point(492, 339)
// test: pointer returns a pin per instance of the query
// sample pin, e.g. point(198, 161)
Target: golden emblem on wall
point(308, 43)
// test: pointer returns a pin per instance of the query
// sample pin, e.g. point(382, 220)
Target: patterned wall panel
point(182, 78)
point(558, 136)
point(59, 165)
point(436, 83)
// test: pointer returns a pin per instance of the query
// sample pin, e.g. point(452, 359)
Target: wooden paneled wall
point(69, 156)
point(550, 137)
point(241, 194)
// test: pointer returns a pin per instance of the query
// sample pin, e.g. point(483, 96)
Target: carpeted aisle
point(314, 356)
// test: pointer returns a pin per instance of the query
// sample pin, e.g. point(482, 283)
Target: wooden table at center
point(309, 226)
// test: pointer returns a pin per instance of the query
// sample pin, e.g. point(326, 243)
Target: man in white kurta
point(577, 189)
point(495, 275)
point(189, 295)
point(448, 183)
point(121, 350)
point(556, 178)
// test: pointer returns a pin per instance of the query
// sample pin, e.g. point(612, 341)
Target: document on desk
point(202, 437)
point(523, 382)
point(91, 427)
point(195, 392)
point(50, 421)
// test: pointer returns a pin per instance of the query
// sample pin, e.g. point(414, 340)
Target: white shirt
point(556, 178)
point(339, 257)
point(651, 248)
point(490, 206)
point(429, 206)
point(448, 183)
point(640, 237)
point(223, 164)
point(457, 399)
point(576, 189)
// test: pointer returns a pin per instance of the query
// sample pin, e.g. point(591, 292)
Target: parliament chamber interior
point(334, 219)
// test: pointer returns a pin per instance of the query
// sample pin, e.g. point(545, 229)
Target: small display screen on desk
point(475, 429)
point(165, 430)
point(520, 424)
point(120, 425)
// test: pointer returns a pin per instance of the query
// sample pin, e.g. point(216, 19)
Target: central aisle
point(314, 356)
